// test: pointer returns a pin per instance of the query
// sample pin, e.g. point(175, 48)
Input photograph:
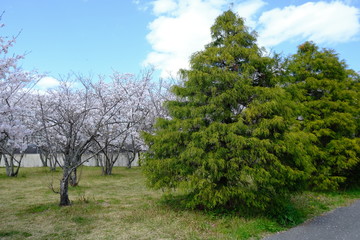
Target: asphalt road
point(340, 224)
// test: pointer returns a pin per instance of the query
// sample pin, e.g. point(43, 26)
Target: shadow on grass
point(19, 176)
point(352, 191)
point(12, 234)
point(286, 213)
point(78, 206)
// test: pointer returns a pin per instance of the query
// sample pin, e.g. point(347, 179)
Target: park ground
point(121, 207)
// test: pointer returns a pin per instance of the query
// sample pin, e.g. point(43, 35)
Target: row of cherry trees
point(98, 117)
point(82, 118)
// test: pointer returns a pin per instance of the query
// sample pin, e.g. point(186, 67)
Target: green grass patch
point(121, 207)
point(37, 208)
point(252, 229)
point(81, 220)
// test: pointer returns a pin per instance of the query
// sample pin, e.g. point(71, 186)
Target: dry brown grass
point(112, 207)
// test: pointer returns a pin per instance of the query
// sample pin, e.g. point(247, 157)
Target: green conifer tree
point(329, 95)
point(232, 138)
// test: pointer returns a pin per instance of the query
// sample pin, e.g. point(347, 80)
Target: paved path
point(340, 224)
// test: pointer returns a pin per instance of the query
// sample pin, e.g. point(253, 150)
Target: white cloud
point(142, 6)
point(248, 9)
point(164, 6)
point(320, 22)
point(47, 82)
point(182, 27)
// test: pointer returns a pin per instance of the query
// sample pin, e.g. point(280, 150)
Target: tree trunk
point(64, 187)
point(108, 165)
point(131, 155)
point(52, 163)
point(7, 166)
point(108, 170)
point(139, 159)
point(129, 164)
point(64, 196)
point(10, 167)
point(97, 161)
point(73, 178)
point(19, 164)
point(44, 158)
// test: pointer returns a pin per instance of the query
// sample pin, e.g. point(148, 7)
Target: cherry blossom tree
point(140, 105)
point(15, 84)
point(72, 117)
point(110, 138)
point(42, 136)
point(138, 110)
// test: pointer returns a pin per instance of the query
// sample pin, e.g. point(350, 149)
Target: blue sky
point(98, 36)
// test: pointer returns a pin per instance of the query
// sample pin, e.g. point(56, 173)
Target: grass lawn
point(121, 207)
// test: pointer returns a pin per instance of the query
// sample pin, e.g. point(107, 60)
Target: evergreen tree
point(231, 139)
point(329, 95)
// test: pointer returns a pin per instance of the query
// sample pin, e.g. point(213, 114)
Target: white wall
point(33, 160)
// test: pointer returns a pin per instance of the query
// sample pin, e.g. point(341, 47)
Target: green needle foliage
point(329, 95)
point(233, 140)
